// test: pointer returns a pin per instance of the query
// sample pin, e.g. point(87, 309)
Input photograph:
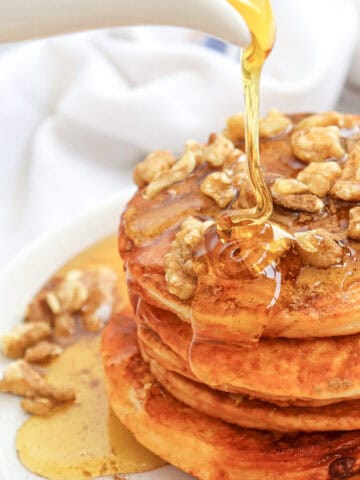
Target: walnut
point(178, 172)
point(317, 144)
point(94, 322)
point(101, 283)
point(348, 185)
point(354, 223)
point(320, 177)
point(294, 195)
point(153, 166)
point(38, 310)
point(69, 295)
point(326, 119)
point(23, 336)
point(319, 248)
point(273, 124)
point(41, 407)
point(64, 325)
point(198, 149)
point(89, 295)
point(241, 182)
point(180, 274)
point(246, 197)
point(238, 179)
point(286, 186)
point(217, 152)
point(42, 352)
point(306, 202)
point(21, 379)
point(235, 127)
point(217, 185)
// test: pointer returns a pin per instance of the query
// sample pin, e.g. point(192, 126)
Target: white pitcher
point(25, 19)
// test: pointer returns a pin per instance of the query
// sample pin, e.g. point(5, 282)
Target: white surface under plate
point(18, 283)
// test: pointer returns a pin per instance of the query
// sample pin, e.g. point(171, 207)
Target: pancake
point(283, 371)
point(335, 312)
point(311, 301)
point(239, 409)
point(205, 447)
point(250, 413)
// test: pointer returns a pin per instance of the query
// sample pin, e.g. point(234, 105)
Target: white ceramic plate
point(19, 282)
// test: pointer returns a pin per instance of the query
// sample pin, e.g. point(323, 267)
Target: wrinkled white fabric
point(78, 111)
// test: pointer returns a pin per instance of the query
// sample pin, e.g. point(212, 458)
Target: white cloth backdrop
point(77, 112)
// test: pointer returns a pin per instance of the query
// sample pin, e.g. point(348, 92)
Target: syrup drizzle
point(248, 241)
point(260, 20)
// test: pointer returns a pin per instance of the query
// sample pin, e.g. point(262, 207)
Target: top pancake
point(297, 300)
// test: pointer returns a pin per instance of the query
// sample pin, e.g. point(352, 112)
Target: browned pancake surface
point(205, 447)
point(299, 372)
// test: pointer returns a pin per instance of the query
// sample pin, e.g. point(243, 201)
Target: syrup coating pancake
point(205, 447)
point(283, 371)
point(304, 294)
point(332, 312)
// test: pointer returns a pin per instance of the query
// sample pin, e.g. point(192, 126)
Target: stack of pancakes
point(251, 375)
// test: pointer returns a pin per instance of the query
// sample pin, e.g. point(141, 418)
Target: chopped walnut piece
point(41, 407)
point(286, 186)
point(237, 179)
point(240, 180)
point(294, 195)
point(320, 177)
point(101, 285)
point(53, 303)
point(178, 172)
point(69, 295)
point(235, 127)
point(22, 379)
point(38, 310)
point(42, 352)
point(179, 269)
point(354, 223)
point(317, 144)
point(153, 166)
point(217, 152)
point(23, 336)
point(273, 124)
point(236, 165)
point(306, 202)
point(348, 185)
point(217, 185)
point(197, 149)
point(326, 119)
point(319, 248)
point(246, 197)
point(64, 325)
point(89, 295)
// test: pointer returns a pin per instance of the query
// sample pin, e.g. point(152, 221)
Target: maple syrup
point(260, 20)
point(86, 439)
point(248, 240)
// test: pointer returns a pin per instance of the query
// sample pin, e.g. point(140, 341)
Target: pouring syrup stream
point(260, 20)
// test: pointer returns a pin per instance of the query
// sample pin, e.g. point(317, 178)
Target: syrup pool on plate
point(85, 439)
